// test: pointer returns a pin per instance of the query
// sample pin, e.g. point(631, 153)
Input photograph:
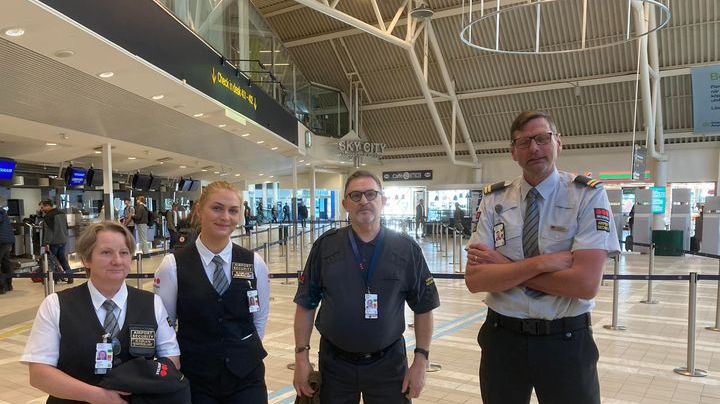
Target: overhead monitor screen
point(94, 177)
point(155, 183)
point(75, 176)
point(7, 168)
point(195, 185)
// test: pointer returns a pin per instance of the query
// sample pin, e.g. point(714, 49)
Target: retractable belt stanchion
point(460, 261)
point(716, 327)
point(616, 299)
point(454, 246)
point(269, 233)
point(285, 247)
point(138, 267)
point(302, 262)
point(447, 240)
point(690, 370)
point(48, 280)
point(257, 230)
point(651, 269)
point(265, 253)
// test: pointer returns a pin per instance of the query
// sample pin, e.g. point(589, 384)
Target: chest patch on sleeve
point(602, 219)
point(499, 234)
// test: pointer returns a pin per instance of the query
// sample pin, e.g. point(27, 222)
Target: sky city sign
point(358, 148)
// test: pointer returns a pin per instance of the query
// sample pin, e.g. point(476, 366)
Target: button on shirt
point(166, 281)
point(568, 222)
point(43, 346)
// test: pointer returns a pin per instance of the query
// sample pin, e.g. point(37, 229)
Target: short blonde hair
point(88, 239)
point(209, 189)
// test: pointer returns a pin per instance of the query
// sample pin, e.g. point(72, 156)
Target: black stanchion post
point(716, 327)
point(138, 267)
point(447, 240)
point(48, 280)
point(616, 299)
point(690, 370)
point(651, 269)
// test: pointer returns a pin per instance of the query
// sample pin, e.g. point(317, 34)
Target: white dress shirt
point(43, 346)
point(166, 281)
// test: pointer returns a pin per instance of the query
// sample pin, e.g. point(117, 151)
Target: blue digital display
point(76, 177)
point(7, 168)
point(659, 199)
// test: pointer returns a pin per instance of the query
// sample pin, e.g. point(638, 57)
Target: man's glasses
point(370, 195)
point(524, 142)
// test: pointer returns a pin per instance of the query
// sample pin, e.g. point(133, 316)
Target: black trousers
point(6, 269)
point(379, 381)
point(562, 368)
point(229, 389)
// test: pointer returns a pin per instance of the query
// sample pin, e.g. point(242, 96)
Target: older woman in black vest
point(219, 294)
point(81, 333)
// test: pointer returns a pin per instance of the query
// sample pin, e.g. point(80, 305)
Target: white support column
point(312, 200)
point(341, 213)
point(108, 197)
point(293, 208)
point(264, 197)
point(276, 195)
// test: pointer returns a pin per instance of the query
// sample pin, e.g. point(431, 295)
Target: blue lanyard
point(373, 260)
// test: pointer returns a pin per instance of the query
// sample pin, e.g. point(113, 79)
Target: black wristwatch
point(425, 352)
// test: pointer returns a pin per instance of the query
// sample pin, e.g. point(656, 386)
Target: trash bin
point(668, 242)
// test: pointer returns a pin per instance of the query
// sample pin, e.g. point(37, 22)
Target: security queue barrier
point(651, 269)
point(616, 296)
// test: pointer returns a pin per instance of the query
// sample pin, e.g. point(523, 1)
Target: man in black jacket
point(55, 234)
point(7, 239)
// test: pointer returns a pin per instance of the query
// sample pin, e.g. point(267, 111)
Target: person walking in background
point(302, 213)
point(55, 234)
point(420, 218)
point(7, 240)
point(172, 218)
point(219, 294)
point(274, 214)
point(459, 216)
point(127, 217)
point(286, 213)
point(141, 219)
point(541, 244)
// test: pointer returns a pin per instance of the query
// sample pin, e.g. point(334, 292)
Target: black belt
point(533, 326)
point(359, 357)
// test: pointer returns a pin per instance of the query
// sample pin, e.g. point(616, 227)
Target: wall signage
point(241, 93)
point(417, 175)
point(355, 148)
point(706, 99)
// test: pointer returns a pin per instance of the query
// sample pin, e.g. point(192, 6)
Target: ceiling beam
point(448, 12)
point(501, 91)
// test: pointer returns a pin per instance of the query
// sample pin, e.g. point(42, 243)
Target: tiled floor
point(636, 365)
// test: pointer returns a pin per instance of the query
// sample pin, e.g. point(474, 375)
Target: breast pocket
point(559, 230)
point(513, 247)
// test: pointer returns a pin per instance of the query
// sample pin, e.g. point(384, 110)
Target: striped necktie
point(111, 324)
point(220, 282)
point(530, 232)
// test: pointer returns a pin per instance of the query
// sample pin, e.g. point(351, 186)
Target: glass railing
point(238, 31)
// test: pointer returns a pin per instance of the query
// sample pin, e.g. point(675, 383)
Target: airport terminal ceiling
point(591, 93)
point(48, 96)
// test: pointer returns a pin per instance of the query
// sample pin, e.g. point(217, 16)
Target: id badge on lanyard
point(103, 356)
point(371, 299)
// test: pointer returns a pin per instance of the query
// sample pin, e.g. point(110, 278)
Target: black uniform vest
point(80, 330)
point(215, 331)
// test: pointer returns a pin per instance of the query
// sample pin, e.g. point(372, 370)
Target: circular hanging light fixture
point(598, 24)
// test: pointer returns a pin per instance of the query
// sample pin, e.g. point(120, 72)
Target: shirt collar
point(98, 299)
point(206, 255)
point(360, 241)
point(545, 187)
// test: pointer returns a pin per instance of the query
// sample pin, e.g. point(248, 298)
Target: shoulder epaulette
point(588, 182)
point(494, 187)
point(327, 233)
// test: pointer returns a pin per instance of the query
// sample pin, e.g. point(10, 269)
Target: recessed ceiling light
point(260, 141)
point(363, 164)
point(222, 125)
point(183, 166)
point(261, 174)
point(50, 144)
point(203, 170)
point(198, 115)
point(158, 97)
point(64, 53)
point(272, 176)
point(237, 175)
point(162, 162)
point(245, 135)
point(274, 148)
point(307, 164)
point(301, 161)
point(106, 75)
point(132, 158)
point(98, 152)
point(216, 172)
point(15, 31)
